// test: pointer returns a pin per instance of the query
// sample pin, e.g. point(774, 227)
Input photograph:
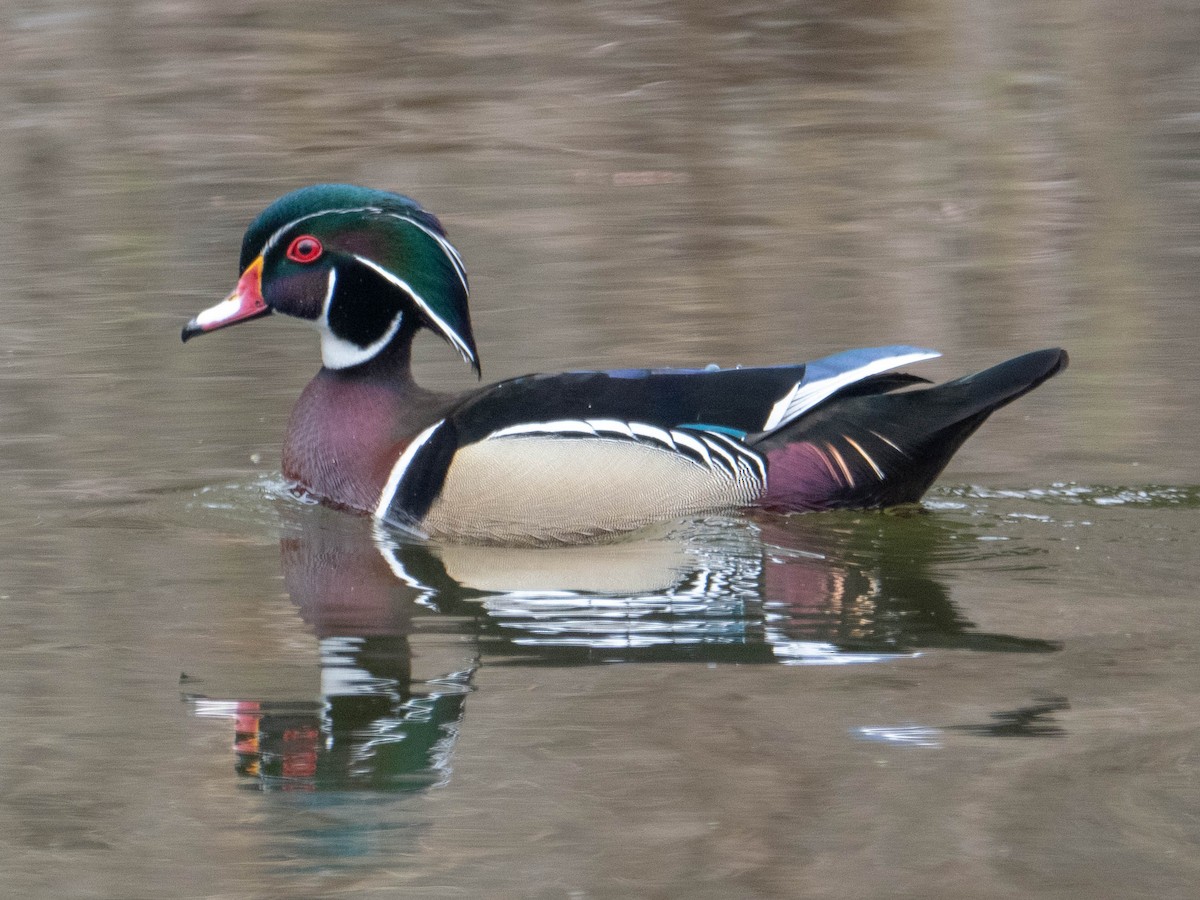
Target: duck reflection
point(830, 589)
point(376, 724)
point(834, 589)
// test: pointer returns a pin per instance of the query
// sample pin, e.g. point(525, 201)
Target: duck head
point(368, 268)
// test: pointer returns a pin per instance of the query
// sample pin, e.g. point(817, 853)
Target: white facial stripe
point(452, 252)
point(446, 246)
point(339, 353)
point(274, 238)
point(448, 332)
point(328, 296)
point(401, 466)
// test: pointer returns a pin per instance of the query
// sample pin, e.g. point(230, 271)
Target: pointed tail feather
point(884, 449)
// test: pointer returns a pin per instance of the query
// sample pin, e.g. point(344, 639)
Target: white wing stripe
point(621, 428)
point(653, 432)
point(561, 426)
point(731, 463)
point(746, 456)
point(804, 396)
point(697, 447)
point(734, 460)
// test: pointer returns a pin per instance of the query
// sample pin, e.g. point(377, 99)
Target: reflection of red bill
point(245, 727)
point(244, 302)
point(300, 751)
point(283, 745)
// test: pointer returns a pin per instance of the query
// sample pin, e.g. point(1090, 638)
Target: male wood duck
point(578, 456)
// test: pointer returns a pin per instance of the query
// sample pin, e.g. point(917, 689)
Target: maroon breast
point(344, 436)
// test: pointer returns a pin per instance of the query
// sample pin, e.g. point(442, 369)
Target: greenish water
point(209, 688)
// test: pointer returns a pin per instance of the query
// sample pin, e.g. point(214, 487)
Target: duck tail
point(868, 449)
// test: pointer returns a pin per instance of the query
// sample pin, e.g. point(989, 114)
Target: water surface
point(212, 689)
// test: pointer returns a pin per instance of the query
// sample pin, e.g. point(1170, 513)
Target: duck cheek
point(340, 351)
point(301, 294)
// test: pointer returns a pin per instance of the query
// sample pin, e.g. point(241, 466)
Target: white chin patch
point(339, 353)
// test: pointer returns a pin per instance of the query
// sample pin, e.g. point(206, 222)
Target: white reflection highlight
point(905, 735)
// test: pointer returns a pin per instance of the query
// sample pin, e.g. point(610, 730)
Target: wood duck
point(577, 456)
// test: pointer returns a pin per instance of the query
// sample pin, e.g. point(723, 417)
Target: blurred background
point(630, 183)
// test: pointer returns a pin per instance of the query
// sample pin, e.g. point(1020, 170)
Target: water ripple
point(1151, 496)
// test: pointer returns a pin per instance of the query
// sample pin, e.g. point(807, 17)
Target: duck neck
point(391, 365)
point(349, 425)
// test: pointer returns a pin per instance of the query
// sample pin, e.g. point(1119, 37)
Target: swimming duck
point(571, 457)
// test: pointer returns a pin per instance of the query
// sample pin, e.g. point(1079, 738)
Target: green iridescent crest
point(389, 234)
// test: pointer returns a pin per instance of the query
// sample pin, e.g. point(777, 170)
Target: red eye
point(304, 249)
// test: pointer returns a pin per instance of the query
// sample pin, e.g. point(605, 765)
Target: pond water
point(209, 688)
